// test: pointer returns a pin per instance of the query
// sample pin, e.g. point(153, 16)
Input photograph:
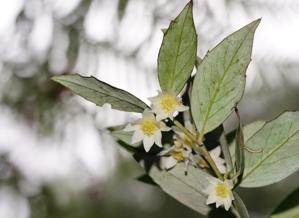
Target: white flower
point(220, 192)
point(215, 155)
point(148, 130)
point(177, 153)
point(165, 104)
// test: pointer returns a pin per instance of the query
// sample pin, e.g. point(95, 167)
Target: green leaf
point(240, 206)
point(177, 54)
point(289, 207)
point(279, 158)
point(248, 131)
point(186, 189)
point(124, 136)
point(220, 80)
point(124, 139)
point(100, 92)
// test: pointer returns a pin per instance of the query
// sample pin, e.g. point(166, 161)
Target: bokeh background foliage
point(56, 158)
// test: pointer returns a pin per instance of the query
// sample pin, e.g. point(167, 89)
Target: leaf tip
point(256, 22)
point(55, 78)
point(190, 3)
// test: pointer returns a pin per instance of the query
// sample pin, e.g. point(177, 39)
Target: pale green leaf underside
point(279, 140)
point(289, 207)
point(100, 92)
point(186, 189)
point(177, 54)
point(220, 80)
point(124, 136)
point(248, 131)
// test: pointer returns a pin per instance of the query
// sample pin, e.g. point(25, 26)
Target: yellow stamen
point(168, 102)
point(222, 190)
point(177, 152)
point(178, 155)
point(148, 126)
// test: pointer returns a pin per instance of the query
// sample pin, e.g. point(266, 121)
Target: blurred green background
point(56, 157)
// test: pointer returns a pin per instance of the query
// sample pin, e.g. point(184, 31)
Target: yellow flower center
point(178, 155)
point(148, 126)
point(222, 190)
point(168, 102)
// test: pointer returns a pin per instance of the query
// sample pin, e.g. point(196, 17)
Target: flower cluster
point(148, 130)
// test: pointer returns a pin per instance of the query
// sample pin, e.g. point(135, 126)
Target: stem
point(200, 148)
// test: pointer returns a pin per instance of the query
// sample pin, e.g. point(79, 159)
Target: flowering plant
point(171, 140)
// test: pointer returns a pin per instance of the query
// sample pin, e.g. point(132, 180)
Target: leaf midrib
point(177, 50)
point(216, 90)
point(187, 184)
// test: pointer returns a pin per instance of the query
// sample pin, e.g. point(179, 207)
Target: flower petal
point(137, 136)
point(130, 127)
point(148, 143)
point(157, 138)
point(161, 115)
point(227, 203)
point(166, 151)
point(181, 108)
point(216, 151)
point(211, 199)
point(168, 162)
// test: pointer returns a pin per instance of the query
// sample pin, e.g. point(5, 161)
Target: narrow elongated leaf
point(240, 206)
point(177, 54)
point(279, 141)
point(225, 151)
point(220, 80)
point(239, 150)
point(289, 207)
point(186, 189)
point(100, 92)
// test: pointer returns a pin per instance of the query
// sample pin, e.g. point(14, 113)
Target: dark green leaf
point(289, 208)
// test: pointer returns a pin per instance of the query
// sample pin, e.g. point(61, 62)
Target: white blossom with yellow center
point(215, 155)
point(165, 104)
point(148, 130)
point(220, 192)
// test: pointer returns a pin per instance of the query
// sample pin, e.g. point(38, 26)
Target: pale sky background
point(76, 139)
